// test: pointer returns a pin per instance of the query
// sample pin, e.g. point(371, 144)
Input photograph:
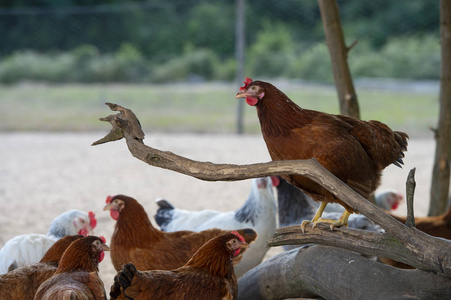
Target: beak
point(240, 94)
point(244, 245)
point(107, 207)
point(105, 247)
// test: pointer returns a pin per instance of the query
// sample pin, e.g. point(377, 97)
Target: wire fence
point(282, 37)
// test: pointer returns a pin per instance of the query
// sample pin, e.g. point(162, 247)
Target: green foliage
point(272, 51)
point(416, 57)
point(312, 63)
point(200, 63)
point(273, 55)
point(29, 65)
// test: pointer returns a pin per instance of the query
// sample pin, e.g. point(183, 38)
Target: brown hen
point(136, 240)
point(23, 282)
point(77, 274)
point(355, 151)
point(209, 274)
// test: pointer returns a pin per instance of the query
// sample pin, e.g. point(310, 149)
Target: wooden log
point(333, 273)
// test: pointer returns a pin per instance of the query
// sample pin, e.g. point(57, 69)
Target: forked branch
point(403, 244)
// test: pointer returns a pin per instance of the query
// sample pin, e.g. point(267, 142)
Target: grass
point(190, 108)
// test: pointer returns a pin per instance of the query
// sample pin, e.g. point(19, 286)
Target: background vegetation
point(61, 60)
point(165, 41)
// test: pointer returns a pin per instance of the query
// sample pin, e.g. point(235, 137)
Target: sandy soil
point(45, 174)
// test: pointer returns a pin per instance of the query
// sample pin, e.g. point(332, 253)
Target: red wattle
point(101, 256)
point(395, 206)
point(114, 214)
point(251, 101)
point(236, 252)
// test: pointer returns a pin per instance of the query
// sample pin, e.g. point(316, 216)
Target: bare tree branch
point(410, 191)
point(418, 249)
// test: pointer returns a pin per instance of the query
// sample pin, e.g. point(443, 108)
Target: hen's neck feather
point(278, 114)
point(79, 257)
point(134, 227)
point(214, 258)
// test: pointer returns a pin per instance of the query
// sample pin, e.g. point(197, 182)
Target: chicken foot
point(342, 221)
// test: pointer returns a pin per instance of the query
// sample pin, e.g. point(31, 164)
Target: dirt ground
point(44, 174)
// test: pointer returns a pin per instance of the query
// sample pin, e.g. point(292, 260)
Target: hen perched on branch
point(355, 151)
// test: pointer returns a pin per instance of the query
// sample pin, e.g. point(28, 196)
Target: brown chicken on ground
point(209, 274)
point(23, 282)
point(77, 274)
point(136, 240)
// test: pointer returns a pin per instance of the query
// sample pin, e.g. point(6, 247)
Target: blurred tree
point(441, 172)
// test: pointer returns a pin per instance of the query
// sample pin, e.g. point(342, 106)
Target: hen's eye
point(253, 88)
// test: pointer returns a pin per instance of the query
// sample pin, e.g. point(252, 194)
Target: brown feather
point(209, 274)
point(76, 276)
point(22, 283)
point(136, 240)
point(355, 151)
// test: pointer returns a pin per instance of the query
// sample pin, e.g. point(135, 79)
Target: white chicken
point(388, 199)
point(28, 249)
point(258, 213)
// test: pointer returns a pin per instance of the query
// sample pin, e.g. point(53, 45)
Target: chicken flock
point(200, 254)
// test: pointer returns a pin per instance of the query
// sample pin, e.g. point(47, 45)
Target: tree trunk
point(338, 51)
point(441, 171)
point(333, 273)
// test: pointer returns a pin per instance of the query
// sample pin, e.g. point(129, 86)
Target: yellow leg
point(317, 216)
point(343, 221)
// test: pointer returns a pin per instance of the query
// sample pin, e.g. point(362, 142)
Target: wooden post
point(441, 171)
point(240, 36)
point(339, 56)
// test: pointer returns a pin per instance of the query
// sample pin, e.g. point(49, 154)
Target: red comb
point(92, 218)
point(103, 239)
point(108, 199)
point(238, 235)
point(246, 82)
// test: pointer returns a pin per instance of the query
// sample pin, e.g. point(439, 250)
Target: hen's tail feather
point(115, 290)
point(163, 203)
point(164, 213)
point(249, 234)
point(401, 138)
point(125, 277)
